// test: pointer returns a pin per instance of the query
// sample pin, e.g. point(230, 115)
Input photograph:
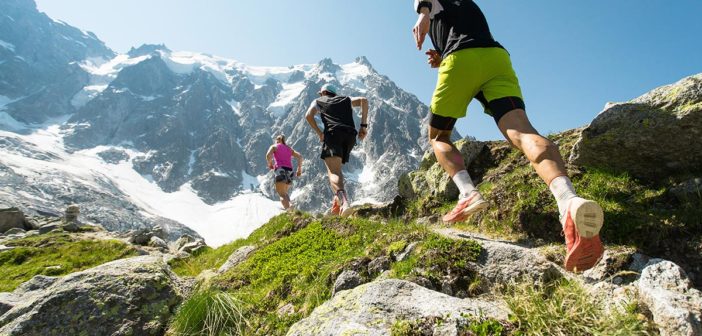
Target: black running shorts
point(284, 174)
point(338, 143)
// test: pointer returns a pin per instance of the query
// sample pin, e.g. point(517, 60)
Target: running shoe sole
point(468, 211)
point(588, 217)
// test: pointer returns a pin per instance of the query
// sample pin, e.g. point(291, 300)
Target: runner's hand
point(321, 137)
point(299, 172)
point(362, 133)
point(421, 29)
point(434, 59)
point(270, 166)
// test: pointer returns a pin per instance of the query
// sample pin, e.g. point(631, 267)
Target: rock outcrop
point(651, 137)
point(373, 308)
point(675, 305)
point(134, 296)
point(10, 217)
point(236, 258)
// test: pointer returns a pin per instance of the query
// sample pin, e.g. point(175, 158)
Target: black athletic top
point(456, 25)
point(336, 113)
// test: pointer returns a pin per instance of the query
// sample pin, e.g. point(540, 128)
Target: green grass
point(40, 254)
point(565, 308)
point(210, 258)
point(209, 313)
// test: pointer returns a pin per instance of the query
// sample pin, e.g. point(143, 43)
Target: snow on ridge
point(353, 74)
point(260, 74)
point(7, 45)
point(212, 222)
point(285, 98)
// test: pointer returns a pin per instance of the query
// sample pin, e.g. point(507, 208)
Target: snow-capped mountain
point(179, 135)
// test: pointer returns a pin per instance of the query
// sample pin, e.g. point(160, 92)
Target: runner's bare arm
point(299, 158)
point(311, 112)
point(269, 156)
point(421, 28)
point(363, 103)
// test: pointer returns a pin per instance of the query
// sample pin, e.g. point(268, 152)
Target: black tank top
point(336, 113)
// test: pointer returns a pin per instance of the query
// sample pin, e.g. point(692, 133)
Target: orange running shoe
point(466, 207)
point(335, 208)
point(581, 228)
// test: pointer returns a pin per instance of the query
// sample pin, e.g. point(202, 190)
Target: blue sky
point(571, 56)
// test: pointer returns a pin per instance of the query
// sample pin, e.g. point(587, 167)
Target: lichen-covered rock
point(158, 243)
point(236, 258)
point(500, 263)
point(651, 137)
point(184, 239)
point(10, 217)
point(676, 306)
point(373, 308)
point(134, 296)
point(24, 292)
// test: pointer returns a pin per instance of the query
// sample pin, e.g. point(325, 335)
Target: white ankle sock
point(563, 191)
point(464, 184)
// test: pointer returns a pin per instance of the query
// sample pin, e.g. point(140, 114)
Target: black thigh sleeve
point(442, 123)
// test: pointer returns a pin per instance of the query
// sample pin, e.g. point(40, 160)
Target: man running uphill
point(338, 137)
point(473, 65)
point(279, 157)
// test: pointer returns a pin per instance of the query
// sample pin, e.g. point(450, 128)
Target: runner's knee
point(537, 148)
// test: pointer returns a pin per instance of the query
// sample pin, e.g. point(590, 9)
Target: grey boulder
point(10, 217)
point(134, 296)
point(651, 137)
point(348, 279)
point(373, 308)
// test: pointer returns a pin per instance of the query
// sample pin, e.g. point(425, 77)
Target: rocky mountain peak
point(362, 60)
point(147, 49)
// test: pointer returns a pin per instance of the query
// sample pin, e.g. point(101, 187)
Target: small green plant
point(485, 327)
point(209, 313)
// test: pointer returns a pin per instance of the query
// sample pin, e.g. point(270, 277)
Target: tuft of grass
point(55, 254)
point(565, 308)
point(209, 313)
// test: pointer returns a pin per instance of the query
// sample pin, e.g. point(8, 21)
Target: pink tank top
point(283, 156)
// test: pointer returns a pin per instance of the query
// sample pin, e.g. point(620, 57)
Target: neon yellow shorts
point(485, 74)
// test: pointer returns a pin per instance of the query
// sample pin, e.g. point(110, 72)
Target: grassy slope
point(637, 214)
point(297, 260)
point(42, 254)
